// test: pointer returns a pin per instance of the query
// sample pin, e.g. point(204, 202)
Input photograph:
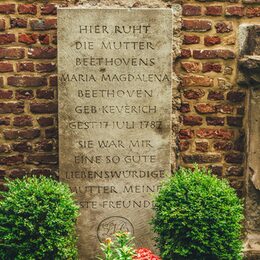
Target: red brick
point(224, 27)
point(7, 8)
point(191, 39)
point(191, 10)
point(196, 25)
point(185, 53)
point(53, 81)
point(6, 38)
point(241, 110)
point(2, 24)
point(190, 67)
point(196, 81)
point(54, 39)
point(202, 146)
point(43, 25)
point(27, 9)
point(45, 93)
point(185, 108)
point(29, 134)
point(223, 146)
point(51, 132)
point(234, 171)
point(42, 53)
point(234, 11)
point(11, 107)
point(216, 170)
point(224, 108)
point(205, 108)
point(209, 133)
point(193, 93)
point(238, 185)
point(26, 81)
point(211, 40)
point(46, 67)
point(18, 23)
point(11, 53)
point(49, 9)
point(253, 12)
point(235, 121)
point(22, 147)
point(23, 121)
point(6, 67)
point(2, 173)
point(44, 146)
point(215, 120)
point(42, 159)
point(184, 146)
point(239, 144)
point(44, 39)
point(24, 94)
point(201, 158)
point(12, 134)
point(186, 134)
point(192, 120)
point(6, 94)
point(215, 95)
point(213, 10)
point(235, 96)
point(43, 108)
point(27, 38)
point(17, 173)
point(5, 121)
point(236, 158)
point(25, 66)
point(213, 54)
point(11, 160)
point(45, 121)
point(43, 171)
point(208, 67)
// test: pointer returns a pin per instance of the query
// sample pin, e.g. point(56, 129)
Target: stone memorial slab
point(115, 96)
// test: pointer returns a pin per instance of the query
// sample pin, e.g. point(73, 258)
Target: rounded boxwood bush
point(37, 220)
point(198, 217)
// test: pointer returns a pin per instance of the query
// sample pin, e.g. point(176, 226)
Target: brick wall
point(213, 106)
point(212, 110)
point(28, 93)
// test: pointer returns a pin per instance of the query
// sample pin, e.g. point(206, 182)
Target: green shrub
point(198, 216)
point(37, 220)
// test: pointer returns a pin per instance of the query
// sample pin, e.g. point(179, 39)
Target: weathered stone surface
point(114, 117)
point(249, 39)
point(249, 64)
point(254, 138)
point(249, 69)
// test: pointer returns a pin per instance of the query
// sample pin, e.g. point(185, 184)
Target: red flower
point(145, 254)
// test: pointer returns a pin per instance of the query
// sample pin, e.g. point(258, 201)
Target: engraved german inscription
point(115, 96)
